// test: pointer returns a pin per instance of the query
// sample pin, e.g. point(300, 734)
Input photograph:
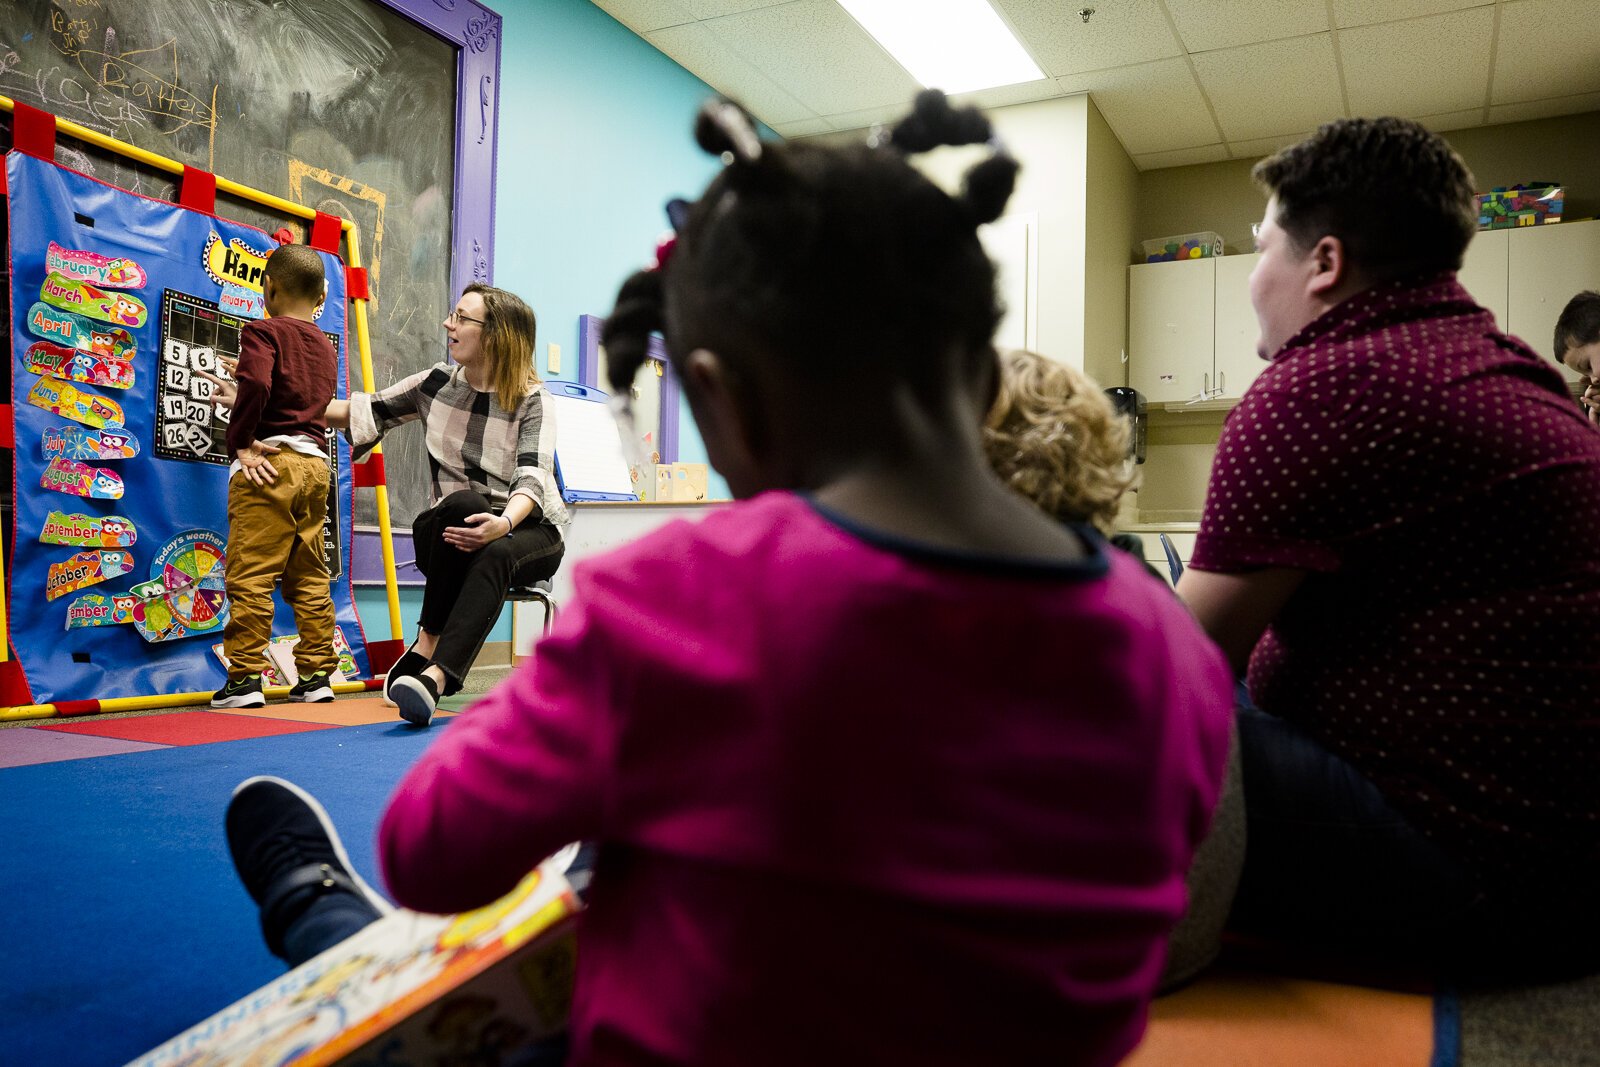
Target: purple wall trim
point(588, 374)
point(475, 31)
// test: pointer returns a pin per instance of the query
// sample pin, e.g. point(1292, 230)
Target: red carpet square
point(186, 728)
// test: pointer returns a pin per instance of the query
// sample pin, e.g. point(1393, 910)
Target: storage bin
point(1186, 246)
point(1538, 204)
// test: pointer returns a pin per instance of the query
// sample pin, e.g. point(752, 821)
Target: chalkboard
point(347, 106)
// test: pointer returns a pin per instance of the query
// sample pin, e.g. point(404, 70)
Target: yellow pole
point(385, 530)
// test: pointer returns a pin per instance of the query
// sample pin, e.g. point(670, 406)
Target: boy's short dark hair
point(1579, 323)
point(1398, 197)
point(297, 270)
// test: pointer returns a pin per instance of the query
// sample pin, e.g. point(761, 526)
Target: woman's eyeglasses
point(457, 318)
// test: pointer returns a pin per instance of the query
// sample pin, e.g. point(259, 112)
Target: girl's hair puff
point(1054, 437)
point(833, 265)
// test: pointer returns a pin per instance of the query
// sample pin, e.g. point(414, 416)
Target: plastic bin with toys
point(1187, 246)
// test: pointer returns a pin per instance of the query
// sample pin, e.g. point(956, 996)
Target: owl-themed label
point(88, 531)
point(74, 365)
point(104, 271)
point(81, 298)
point(85, 569)
point(79, 479)
point(74, 331)
point(79, 405)
point(79, 442)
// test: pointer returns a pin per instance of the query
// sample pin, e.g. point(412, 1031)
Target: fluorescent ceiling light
point(954, 45)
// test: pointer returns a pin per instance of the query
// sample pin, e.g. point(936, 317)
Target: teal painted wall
point(594, 139)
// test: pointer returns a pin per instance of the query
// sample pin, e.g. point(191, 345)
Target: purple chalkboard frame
point(475, 31)
point(589, 371)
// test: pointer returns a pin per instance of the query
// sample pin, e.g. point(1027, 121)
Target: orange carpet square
point(357, 711)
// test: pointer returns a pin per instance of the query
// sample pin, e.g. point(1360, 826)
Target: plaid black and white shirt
point(473, 442)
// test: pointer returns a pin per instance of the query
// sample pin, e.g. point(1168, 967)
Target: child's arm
point(524, 773)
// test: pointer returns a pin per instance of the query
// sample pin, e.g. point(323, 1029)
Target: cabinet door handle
point(1222, 382)
point(1205, 382)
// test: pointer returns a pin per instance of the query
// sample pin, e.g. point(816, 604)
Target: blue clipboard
point(613, 468)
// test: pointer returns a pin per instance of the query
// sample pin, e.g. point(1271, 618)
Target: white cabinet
point(1548, 265)
point(1237, 329)
point(1171, 327)
point(1486, 271)
point(1191, 329)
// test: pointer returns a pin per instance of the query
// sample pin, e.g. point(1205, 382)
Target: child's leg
point(305, 573)
point(260, 529)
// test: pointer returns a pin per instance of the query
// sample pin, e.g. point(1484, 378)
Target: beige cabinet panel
point(1171, 329)
point(1548, 265)
point(1237, 330)
point(1486, 272)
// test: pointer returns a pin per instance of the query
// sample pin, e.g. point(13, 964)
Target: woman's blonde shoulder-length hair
point(1054, 437)
point(509, 331)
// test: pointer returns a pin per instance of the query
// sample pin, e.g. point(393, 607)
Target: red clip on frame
point(198, 190)
point(325, 233)
point(33, 131)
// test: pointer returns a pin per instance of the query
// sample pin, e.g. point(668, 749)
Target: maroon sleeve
point(257, 356)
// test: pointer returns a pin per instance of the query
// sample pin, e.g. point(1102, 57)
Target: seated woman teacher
point(496, 513)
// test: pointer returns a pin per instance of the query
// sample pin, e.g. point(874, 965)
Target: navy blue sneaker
point(417, 698)
point(288, 854)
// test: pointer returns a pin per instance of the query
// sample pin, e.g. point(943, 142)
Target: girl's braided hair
point(825, 264)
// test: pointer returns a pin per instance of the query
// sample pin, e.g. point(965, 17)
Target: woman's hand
point(482, 528)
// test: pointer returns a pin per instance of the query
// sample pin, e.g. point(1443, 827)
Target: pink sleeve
point(519, 774)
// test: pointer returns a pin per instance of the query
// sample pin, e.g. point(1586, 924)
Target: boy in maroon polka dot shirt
point(1393, 546)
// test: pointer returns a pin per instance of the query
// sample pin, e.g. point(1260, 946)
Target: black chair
point(540, 592)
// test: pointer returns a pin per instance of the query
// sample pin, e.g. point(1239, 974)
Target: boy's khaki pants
point(275, 531)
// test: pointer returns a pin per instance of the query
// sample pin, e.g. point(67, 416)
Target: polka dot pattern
point(1444, 490)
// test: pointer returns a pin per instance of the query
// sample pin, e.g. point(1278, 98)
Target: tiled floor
point(53, 740)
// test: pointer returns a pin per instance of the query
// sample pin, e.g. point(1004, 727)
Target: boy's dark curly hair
point(828, 265)
point(1396, 195)
point(1579, 323)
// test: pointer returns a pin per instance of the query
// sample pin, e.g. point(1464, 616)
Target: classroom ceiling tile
point(1127, 31)
point(1303, 79)
point(1261, 147)
point(1153, 107)
point(1381, 64)
point(1547, 48)
point(1006, 95)
point(1207, 24)
point(803, 128)
point(1366, 12)
point(1544, 109)
point(696, 48)
point(716, 9)
point(1453, 120)
point(818, 54)
point(869, 117)
point(1183, 157)
point(642, 16)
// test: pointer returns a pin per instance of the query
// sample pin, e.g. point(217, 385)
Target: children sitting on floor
point(883, 764)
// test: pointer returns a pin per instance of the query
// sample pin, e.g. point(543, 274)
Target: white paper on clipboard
point(588, 443)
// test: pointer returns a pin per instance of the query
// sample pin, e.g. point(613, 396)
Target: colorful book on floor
point(410, 988)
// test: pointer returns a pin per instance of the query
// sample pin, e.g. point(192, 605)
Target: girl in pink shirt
point(883, 764)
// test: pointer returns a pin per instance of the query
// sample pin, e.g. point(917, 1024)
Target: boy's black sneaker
point(241, 692)
point(288, 854)
point(313, 689)
point(416, 696)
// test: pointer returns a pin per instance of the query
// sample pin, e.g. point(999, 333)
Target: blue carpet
point(128, 924)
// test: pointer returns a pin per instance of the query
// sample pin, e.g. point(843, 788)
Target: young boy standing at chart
point(276, 507)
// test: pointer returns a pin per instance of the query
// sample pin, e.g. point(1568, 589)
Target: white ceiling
point(1180, 81)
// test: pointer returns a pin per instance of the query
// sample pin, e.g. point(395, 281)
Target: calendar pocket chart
point(117, 323)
